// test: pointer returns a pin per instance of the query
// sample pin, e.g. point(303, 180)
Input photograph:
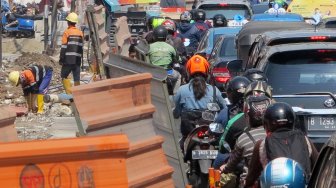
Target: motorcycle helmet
point(279, 115)
point(235, 88)
point(169, 25)
point(219, 20)
point(160, 33)
point(199, 15)
point(254, 109)
point(258, 88)
point(283, 172)
point(255, 75)
point(157, 21)
point(185, 16)
point(197, 64)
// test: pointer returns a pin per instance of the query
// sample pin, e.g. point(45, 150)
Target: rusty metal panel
point(123, 105)
point(163, 118)
point(7, 129)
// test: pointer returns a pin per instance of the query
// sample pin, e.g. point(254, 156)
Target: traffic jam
point(253, 84)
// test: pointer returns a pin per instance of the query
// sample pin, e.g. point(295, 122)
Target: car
point(303, 75)
point(207, 42)
point(260, 8)
point(237, 12)
point(288, 17)
point(223, 52)
point(324, 173)
point(272, 38)
point(246, 36)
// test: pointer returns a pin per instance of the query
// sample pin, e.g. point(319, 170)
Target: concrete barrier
point(77, 162)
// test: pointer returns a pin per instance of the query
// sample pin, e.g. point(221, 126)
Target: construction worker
point(71, 52)
point(35, 82)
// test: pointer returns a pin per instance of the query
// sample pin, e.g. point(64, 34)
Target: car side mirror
point(235, 66)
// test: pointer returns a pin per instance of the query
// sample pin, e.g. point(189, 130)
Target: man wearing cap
point(71, 52)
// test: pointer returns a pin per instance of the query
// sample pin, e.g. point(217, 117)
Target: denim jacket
point(185, 99)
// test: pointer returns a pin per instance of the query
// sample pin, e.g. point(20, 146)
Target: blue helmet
point(283, 172)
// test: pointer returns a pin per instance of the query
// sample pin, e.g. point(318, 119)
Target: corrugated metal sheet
point(163, 118)
point(98, 161)
point(123, 105)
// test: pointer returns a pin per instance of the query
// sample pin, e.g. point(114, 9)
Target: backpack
point(291, 144)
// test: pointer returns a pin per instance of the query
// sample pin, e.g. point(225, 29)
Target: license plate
point(204, 154)
point(321, 123)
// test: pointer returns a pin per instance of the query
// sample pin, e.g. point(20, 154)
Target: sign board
point(307, 8)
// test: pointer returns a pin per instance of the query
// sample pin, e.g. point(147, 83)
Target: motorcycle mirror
point(208, 116)
point(213, 107)
point(216, 128)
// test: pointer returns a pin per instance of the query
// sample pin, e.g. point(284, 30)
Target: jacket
point(31, 78)
point(185, 99)
point(184, 30)
point(256, 162)
point(162, 54)
point(72, 46)
point(196, 33)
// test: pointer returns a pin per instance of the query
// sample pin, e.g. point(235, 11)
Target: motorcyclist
point(161, 53)
point(164, 55)
point(254, 109)
point(198, 29)
point(241, 88)
point(282, 140)
point(273, 177)
point(196, 94)
point(219, 20)
point(185, 25)
point(173, 39)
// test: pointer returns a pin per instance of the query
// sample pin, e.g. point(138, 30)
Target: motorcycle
point(200, 147)
point(22, 26)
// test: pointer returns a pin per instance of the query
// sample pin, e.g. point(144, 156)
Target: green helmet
point(157, 21)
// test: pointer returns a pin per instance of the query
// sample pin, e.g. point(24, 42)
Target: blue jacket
point(185, 99)
point(184, 30)
point(196, 33)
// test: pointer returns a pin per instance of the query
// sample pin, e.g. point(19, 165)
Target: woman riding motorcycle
point(196, 94)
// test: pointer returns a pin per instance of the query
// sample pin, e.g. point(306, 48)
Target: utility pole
point(46, 25)
point(73, 6)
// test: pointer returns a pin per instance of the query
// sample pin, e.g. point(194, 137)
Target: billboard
point(307, 8)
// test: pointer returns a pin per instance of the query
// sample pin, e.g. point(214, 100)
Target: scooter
point(200, 148)
point(23, 26)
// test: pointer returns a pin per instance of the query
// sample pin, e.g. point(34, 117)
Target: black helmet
point(255, 75)
point(279, 115)
point(254, 109)
point(219, 20)
point(235, 88)
point(185, 16)
point(257, 88)
point(199, 15)
point(160, 33)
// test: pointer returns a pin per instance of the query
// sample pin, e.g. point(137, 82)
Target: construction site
point(115, 130)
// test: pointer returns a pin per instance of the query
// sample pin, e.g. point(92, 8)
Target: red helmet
point(169, 25)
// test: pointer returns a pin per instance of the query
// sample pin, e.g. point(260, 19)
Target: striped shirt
point(244, 148)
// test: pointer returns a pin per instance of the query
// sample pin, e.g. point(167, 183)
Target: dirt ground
point(18, 54)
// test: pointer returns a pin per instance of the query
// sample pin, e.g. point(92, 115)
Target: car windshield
point(228, 47)
point(302, 71)
point(228, 11)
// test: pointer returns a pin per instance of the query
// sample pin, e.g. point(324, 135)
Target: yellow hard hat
point(72, 17)
point(13, 77)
